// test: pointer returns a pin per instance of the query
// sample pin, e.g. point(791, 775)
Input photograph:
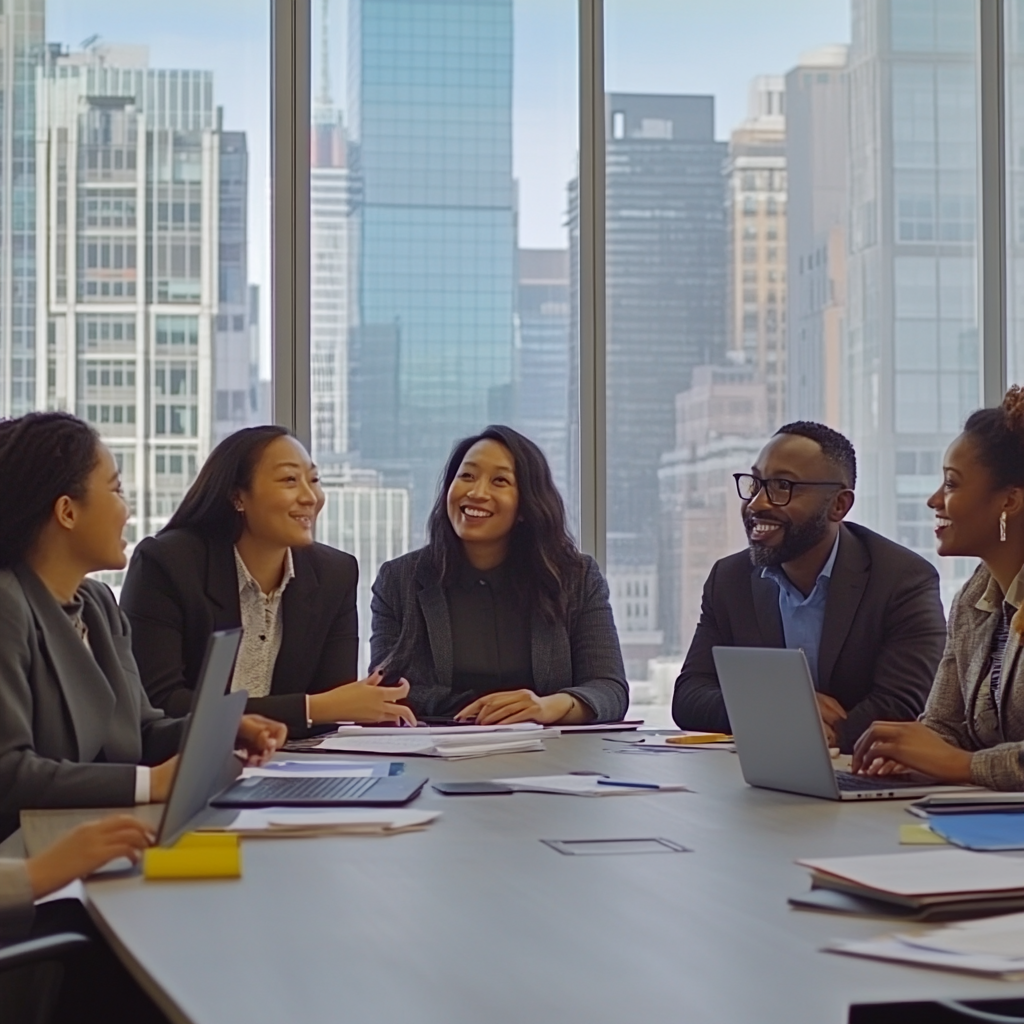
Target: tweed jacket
point(960, 707)
point(581, 657)
point(73, 725)
point(16, 904)
point(181, 586)
point(881, 640)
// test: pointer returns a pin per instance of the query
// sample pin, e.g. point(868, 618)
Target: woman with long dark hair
point(75, 722)
point(972, 729)
point(499, 619)
point(240, 551)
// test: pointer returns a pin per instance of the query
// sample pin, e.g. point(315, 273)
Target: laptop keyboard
point(305, 789)
point(865, 783)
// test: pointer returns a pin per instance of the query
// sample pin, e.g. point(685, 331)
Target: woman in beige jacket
point(972, 729)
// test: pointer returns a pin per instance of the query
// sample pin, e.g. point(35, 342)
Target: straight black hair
point(542, 553)
point(43, 456)
point(209, 507)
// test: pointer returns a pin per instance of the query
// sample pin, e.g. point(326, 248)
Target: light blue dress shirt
point(804, 617)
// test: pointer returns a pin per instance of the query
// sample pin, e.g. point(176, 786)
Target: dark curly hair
point(43, 456)
point(542, 553)
point(836, 448)
point(209, 507)
point(998, 435)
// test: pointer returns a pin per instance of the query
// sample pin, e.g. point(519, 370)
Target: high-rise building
point(722, 423)
point(430, 117)
point(818, 159)
point(543, 358)
point(756, 203)
point(666, 296)
point(135, 265)
point(331, 255)
point(370, 521)
point(22, 34)
point(910, 364)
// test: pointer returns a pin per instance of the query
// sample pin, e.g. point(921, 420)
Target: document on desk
point(588, 785)
point(440, 730)
point(420, 743)
point(992, 946)
point(303, 822)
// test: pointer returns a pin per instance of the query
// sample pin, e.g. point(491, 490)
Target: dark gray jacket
point(880, 643)
point(73, 725)
point(582, 658)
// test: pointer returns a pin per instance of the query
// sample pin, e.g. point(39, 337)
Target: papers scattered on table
point(422, 743)
point(302, 822)
point(660, 744)
point(324, 769)
point(919, 835)
point(993, 947)
point(437, 730)
point(925, 878)
point(587, 785)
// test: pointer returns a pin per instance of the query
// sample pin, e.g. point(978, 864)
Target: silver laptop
point(780, 739)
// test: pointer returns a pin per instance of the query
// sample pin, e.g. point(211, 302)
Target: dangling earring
point(1002, 526)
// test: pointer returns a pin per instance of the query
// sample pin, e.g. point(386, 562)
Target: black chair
point(981, 1011)
point(31, 973)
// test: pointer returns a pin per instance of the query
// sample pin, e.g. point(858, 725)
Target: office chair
point(943, 1011)
point(30, 976)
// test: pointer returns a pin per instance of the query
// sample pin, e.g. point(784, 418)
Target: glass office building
point(430, 111)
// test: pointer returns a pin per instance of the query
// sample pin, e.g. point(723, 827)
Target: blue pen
point(628, 785)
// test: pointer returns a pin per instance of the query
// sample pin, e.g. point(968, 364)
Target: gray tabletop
point(475, 919)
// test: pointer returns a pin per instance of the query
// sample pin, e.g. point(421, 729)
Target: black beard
point(796, 540)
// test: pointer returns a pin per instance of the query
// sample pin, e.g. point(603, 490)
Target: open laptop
point(207, 773)
point(780, 739)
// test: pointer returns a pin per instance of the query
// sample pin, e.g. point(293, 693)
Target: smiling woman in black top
point(499, 618)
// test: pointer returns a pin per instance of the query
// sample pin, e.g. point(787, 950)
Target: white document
point(440, 730)
point(334, 820)
point(416, 741)
point(892, 948)
point(926, 873)
point(311, 770)
point(584, 785)
point(996, 936)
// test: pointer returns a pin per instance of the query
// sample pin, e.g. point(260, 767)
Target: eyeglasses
point(778, 489)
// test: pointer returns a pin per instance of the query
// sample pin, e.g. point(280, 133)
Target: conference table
point(476, 920)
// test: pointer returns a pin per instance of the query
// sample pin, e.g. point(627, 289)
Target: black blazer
point(881, 641)
point(180, 587)
point(583, 659)
point(73, 725)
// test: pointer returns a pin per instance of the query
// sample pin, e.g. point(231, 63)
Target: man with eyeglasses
point(864, 610)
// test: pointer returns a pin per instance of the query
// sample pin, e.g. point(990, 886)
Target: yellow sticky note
point(920, 835)
point(195, 855)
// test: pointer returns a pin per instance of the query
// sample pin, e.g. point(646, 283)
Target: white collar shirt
point(262, 629)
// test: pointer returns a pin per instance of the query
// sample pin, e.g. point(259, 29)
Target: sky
point(671, 46)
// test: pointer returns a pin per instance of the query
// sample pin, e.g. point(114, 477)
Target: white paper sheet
point(583, 785)
point(410, 741)
point(334, 818)
point(891, 948)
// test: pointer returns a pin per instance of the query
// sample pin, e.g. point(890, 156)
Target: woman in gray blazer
point(76, 727)
point(972, 729)
point(499, 619)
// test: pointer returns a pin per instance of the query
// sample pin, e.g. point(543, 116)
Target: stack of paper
point(324, 769)
point(449, 743)
point(588, 785)
point(303, 822)
point(926, 879)
point(993, 947)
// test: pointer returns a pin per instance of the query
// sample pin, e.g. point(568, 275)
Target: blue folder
point(997, 831)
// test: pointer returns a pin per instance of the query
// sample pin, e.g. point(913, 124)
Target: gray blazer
point(960, 708)
point(16, 905)
point(73, 725)
point(581, 658)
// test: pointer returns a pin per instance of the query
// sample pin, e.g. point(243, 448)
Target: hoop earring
point(1002, 526)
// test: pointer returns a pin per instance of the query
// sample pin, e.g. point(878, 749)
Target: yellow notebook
point(195, 855)
point(699, 737)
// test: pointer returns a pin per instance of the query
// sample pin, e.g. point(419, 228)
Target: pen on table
point(628, 785)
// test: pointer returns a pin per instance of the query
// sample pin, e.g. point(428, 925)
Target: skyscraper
point(756, 204)
point(543, 357)
point(430, 115)
point(136, 266)
point(22, 29)
point(666, 296)
point(817, 158)
point(910, 366)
